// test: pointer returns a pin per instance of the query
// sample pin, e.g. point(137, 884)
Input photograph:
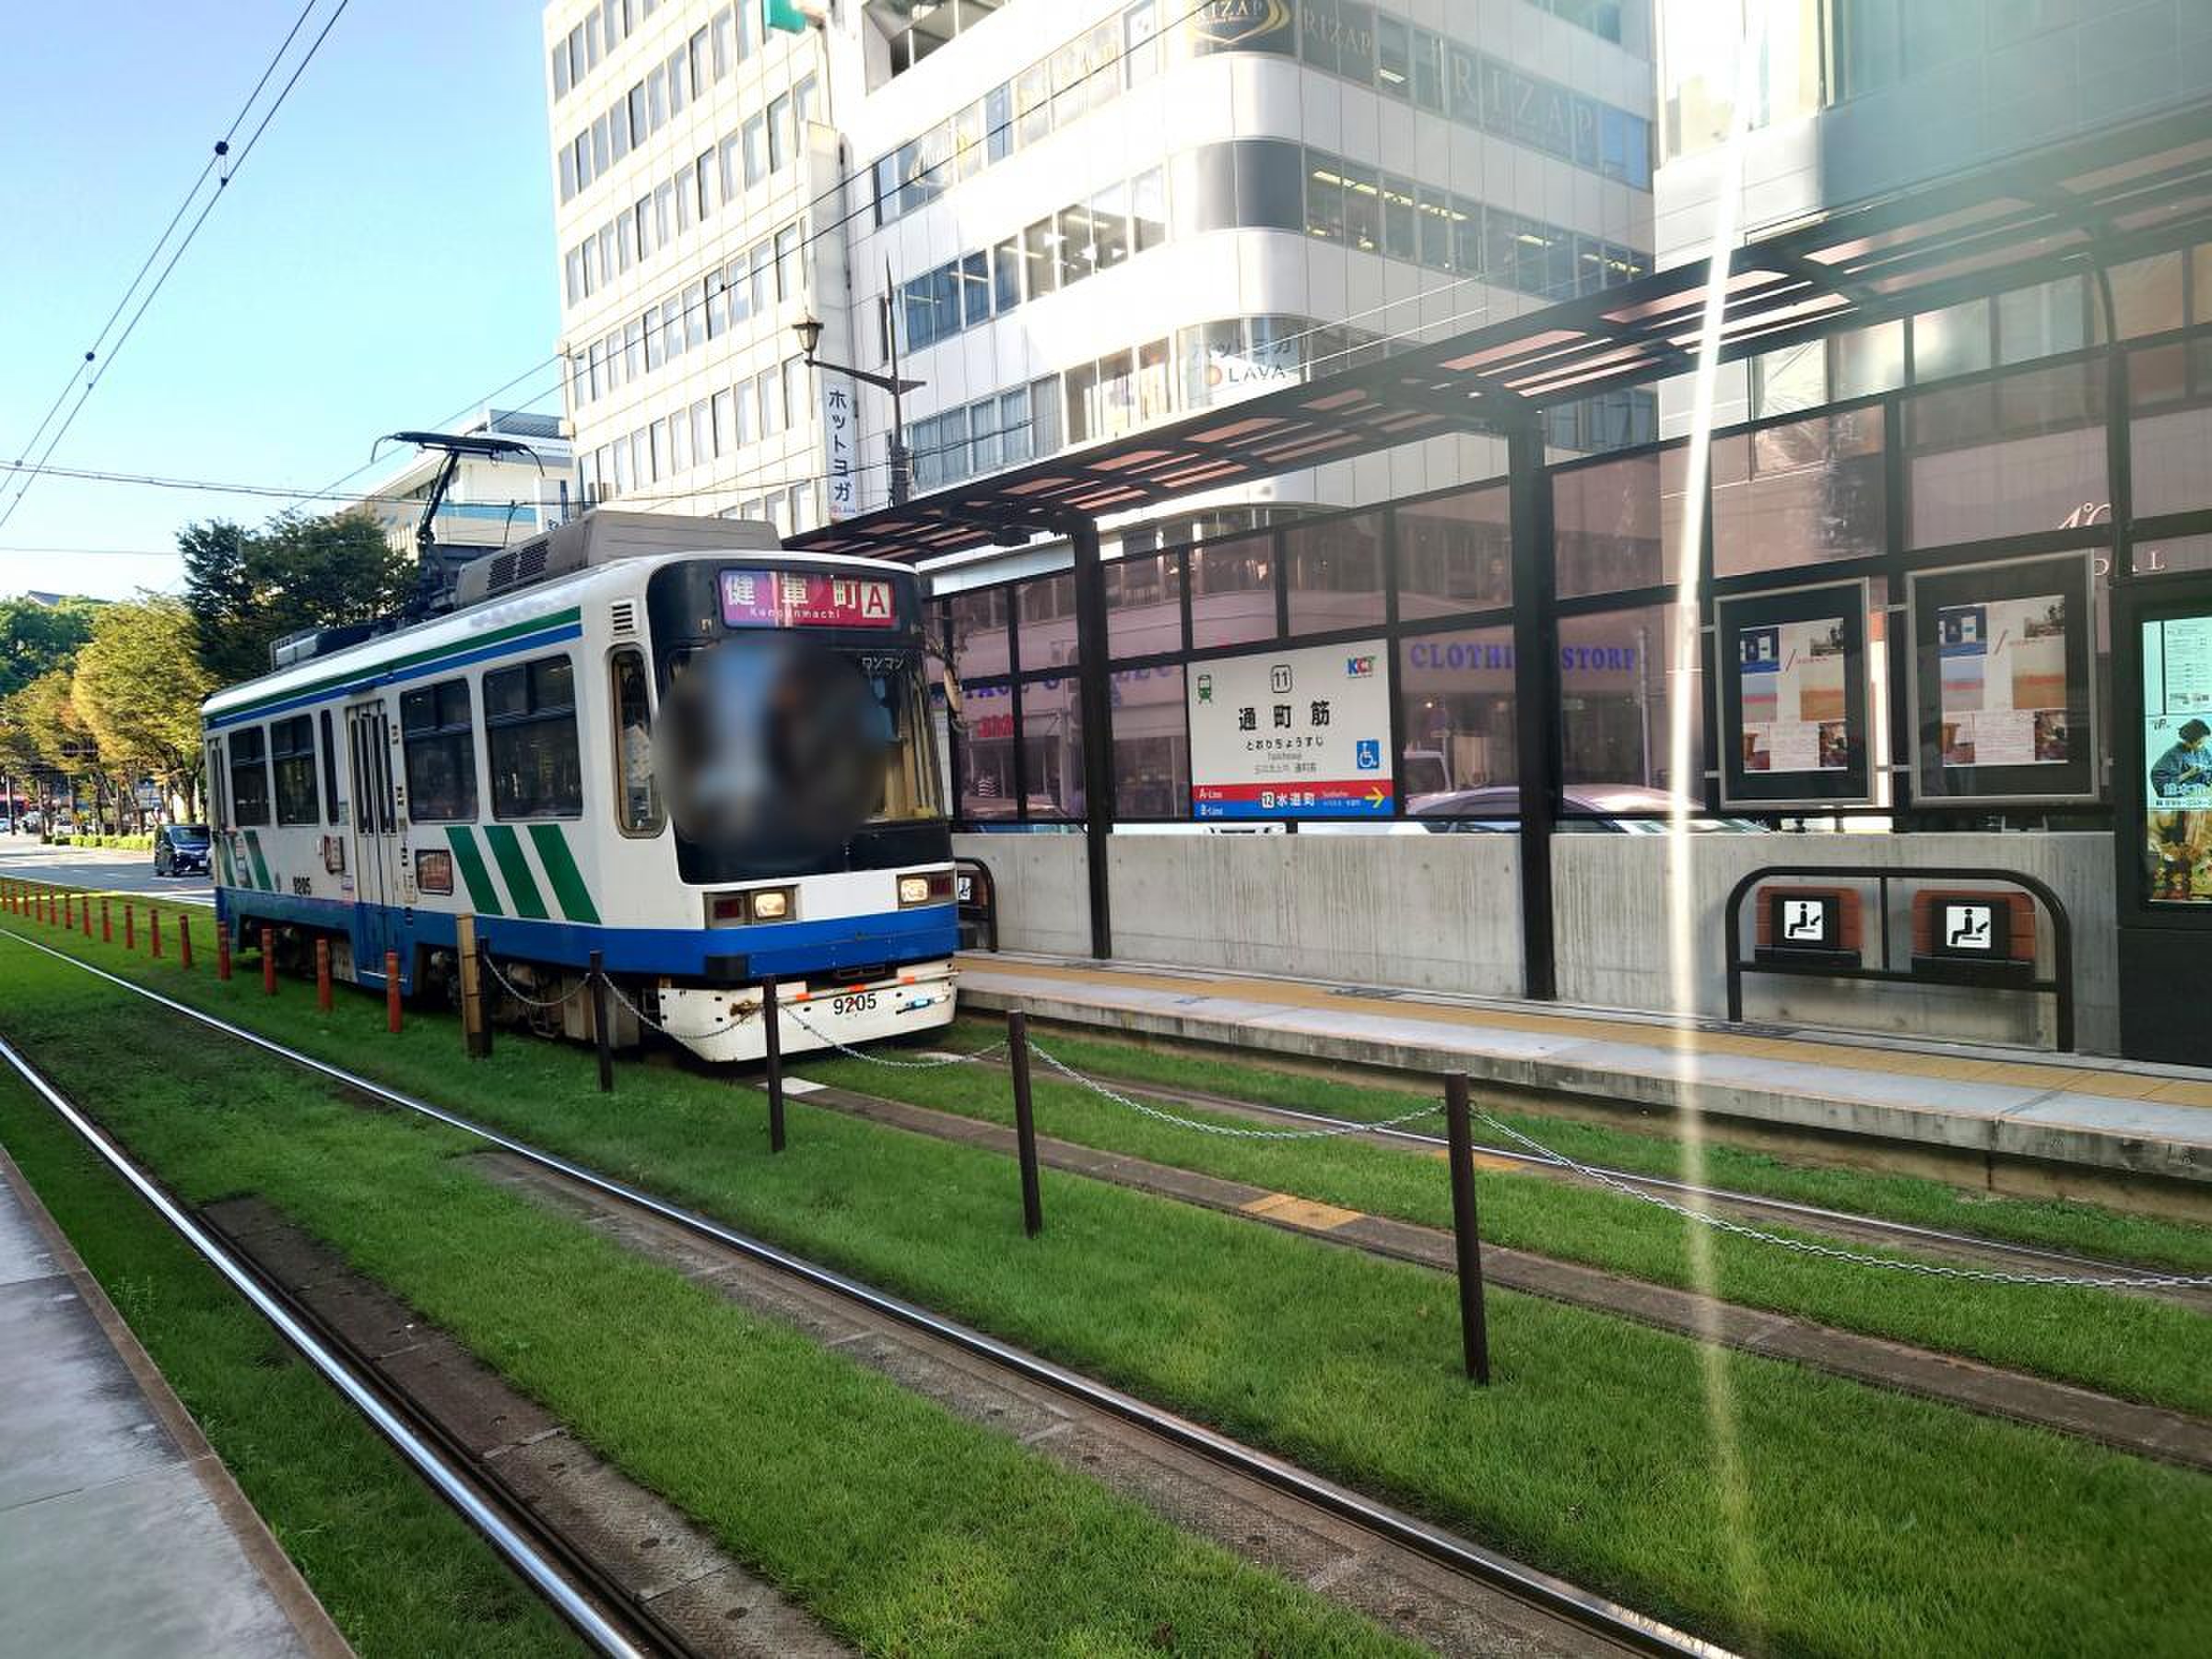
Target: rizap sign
point(1291, 733)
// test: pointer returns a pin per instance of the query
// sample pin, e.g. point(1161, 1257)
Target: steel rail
point(1541, 1590)
point(1786, 1207)
point(549, 1582)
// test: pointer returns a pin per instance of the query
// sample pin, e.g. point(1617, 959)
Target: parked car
point(181, 850)
point(1610, 809)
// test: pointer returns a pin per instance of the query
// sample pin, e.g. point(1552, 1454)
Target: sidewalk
point(121, 1532)
point(2105, 1118)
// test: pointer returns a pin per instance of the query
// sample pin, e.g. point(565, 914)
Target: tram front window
point(911, 789)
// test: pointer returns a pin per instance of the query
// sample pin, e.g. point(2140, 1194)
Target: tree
point(245, 590)
point(35, 638)
point(57, 734)
point(137, 691)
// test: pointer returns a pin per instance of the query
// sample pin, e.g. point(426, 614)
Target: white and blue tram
point(511, 760)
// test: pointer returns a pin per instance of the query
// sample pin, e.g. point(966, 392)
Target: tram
point(665, 742)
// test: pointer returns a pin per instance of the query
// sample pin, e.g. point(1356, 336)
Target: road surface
point(21, 858)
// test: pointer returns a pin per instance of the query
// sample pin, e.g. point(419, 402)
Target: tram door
point(375, 833)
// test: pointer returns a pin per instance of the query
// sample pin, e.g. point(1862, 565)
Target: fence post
point(772, 1039)
point(391, 990)
point(268, 959)
point(153, 929)
point(1025, 1121)
point(68, 912)
point(475, 1029)
point(1466, 1235)
point(183, 937)
point(223, 949)
point(600, 1039)
point(84, 915)
point(107, 925)
point(323, 975)
point(130, 926)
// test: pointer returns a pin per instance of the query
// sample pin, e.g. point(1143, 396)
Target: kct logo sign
point(1359, 667)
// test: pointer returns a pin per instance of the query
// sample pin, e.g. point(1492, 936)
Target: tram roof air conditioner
point(601, 537)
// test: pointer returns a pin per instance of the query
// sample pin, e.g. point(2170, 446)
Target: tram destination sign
point(755, 598)
point(1299, 734)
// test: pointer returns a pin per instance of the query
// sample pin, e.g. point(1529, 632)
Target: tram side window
point(530, 724)
point(442, 753)
point(248, 777)
point(330, 772)
point(638, 797)
point(292, 750)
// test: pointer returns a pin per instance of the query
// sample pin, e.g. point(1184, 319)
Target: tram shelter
point(1845, 562)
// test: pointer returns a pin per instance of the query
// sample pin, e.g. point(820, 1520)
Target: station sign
point(1301, 734)
point(754, 598)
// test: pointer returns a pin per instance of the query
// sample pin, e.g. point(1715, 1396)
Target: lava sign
point(1292, 734)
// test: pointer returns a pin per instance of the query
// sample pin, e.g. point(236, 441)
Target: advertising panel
point(1794, 695)
point(2002, 682)
point(1291, 733)
point(2177, 759)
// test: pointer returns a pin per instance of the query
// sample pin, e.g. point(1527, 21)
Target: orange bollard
point(222, 951)
point(153, 928)
point(107, 925)
point(84, 914)
point(323, 975)
point(268, 959)
point(183, 941)
point(130, 927)
point(392, 991)
point(69, 910)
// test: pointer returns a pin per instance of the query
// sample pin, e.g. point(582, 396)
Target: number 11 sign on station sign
point(1291, 733)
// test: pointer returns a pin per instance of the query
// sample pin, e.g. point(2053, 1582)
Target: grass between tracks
point(2082, 1228)
point(397, 1571)
point(904, 1527)
point(1763, 1504)
point(2130, 1345)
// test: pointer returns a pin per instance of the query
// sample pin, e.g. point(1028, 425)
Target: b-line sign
point(1291, 733)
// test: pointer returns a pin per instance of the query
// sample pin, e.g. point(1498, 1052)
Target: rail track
point(536, 1550)
point(1590, 1622)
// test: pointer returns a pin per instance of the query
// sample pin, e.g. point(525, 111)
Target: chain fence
point(938, 1063)
point(524, 997)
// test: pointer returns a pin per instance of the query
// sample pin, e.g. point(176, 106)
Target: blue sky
point(385, 255)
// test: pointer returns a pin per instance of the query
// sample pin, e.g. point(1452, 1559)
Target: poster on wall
point(1793, 697)
point(2003, 682)
point(1301, 734)
point(2177, 759)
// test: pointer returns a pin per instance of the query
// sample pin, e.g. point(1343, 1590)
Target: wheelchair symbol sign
point(1369, 753)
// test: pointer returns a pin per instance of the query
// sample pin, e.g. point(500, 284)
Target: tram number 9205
point(860, 1001)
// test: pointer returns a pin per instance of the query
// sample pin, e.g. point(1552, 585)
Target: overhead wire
point(223, 178)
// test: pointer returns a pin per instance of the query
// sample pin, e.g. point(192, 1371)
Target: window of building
point(1799, 493)
point(292, 755)
point(1454, 554)
point(1457, 703)
point(787, 263)
point(440, 752)
point(1038, 258)
point(248, 777)
point(1334, 569)
point(1144, 605)
point(530, 732)
point(753, 137)
point(1149, 210)
point(1110, 227)
point(779, 133)
point(1325, 197)
point(1075, 251)
point(1232, 592)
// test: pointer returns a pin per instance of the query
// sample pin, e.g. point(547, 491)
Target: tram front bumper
point(725, 1023)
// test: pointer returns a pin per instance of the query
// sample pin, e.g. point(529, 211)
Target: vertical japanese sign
point(1291, 733)
point(841, 433)
point(2177, 759)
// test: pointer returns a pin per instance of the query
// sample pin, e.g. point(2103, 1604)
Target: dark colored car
point(181, 850)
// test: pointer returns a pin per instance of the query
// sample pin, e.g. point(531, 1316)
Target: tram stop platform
point(2014, 1119)
point(122, 1535)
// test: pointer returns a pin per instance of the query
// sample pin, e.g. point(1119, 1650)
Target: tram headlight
point(759, 904)
point(924, 890)
point(771, 904)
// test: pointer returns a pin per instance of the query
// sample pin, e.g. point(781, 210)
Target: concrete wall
point(1439, 912)
point(1443, 912)
point(1609, 904)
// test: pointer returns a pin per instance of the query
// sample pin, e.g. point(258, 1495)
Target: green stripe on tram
point(568, 890)
point(483, 898)
point(222, 862)
point(515, 870)
point(260, 868)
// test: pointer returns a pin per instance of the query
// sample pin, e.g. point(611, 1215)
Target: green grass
point(2055, 1224)
point(397, 1571)
point(1782, 1509)
point(2129, 1345)
point(907, 1528)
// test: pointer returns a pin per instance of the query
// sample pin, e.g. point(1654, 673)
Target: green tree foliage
point(246, 589)
point(137, 691)
point(36, 638)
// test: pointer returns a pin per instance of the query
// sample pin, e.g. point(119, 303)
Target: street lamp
point(809, 330)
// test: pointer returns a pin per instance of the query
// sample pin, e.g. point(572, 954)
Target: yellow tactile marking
point(2112, 1085)
point(1482, 1161)
point(1301, 1212)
